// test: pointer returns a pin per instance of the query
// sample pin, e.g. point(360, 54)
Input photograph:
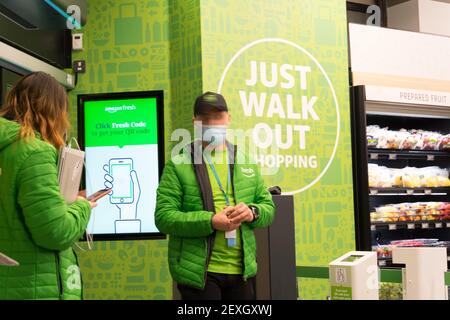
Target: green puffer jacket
point(185, 207)
point(37, 228)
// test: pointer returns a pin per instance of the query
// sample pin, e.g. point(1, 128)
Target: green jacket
point(185, 206)
point(37, 228)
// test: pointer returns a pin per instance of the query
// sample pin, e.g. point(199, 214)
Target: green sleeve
point(264, 203)
point(169, 217)
point(51, 222)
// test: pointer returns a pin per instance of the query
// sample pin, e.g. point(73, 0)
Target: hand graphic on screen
point(127, 210)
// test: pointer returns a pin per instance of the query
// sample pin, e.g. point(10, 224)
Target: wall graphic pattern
point(182, 47)
point(323, 213)
point(126, 49)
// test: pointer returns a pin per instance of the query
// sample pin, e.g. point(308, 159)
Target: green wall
point(324, 218)
point(185, 59)
point(183, 48)
point(126, 49)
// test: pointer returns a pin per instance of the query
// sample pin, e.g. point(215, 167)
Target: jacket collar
point(201, 172)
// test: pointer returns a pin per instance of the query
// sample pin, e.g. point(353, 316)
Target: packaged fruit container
point(383, 251)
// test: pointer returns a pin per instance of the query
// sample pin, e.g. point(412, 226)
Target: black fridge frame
point(360, 168)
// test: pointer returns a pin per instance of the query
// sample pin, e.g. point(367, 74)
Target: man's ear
point(229, 118)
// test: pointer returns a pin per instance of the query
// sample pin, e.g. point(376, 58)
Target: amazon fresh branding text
point(115, 109)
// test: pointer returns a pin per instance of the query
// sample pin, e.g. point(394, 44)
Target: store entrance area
point(225, 150)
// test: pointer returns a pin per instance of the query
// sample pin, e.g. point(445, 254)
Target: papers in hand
point(70, 168)
point(7, 261)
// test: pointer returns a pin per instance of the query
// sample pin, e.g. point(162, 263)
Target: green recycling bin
point(128, 26)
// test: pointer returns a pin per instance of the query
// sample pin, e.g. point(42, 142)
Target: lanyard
point(213, 169)
point(230, 235)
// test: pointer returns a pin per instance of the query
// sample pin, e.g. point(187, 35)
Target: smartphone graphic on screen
point(120, 169)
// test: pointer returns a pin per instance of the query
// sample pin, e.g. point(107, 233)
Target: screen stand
point(128, 226)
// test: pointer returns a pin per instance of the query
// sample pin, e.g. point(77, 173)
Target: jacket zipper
point(81, 277)
point(240, 233)
point(58, 275)
point(243, 256)
point(243, 250)
point(208, 257)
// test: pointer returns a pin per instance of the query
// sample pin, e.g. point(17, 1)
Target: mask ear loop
point(89, 236)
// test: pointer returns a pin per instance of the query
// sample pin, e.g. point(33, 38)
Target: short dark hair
point(209, 102)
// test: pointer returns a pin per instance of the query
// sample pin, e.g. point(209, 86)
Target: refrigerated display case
point(401, 156)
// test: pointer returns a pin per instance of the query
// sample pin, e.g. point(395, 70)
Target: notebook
point(70, 168)
point(7, 261)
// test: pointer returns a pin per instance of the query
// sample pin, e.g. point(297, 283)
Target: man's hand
point(221, 220)
point(241, 213)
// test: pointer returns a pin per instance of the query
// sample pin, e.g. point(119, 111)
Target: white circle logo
point(282, 94)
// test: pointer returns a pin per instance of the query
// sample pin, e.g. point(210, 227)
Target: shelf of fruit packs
point(440, 191)
point(394, 154)
point(399, 225)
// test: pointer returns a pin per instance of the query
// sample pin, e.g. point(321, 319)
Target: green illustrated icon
point(128, 27)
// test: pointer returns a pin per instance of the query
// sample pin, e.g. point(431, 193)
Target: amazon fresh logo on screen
point(120, 108)
point(121, 122)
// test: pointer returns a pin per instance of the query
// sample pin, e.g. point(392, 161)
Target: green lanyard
point(230, 236)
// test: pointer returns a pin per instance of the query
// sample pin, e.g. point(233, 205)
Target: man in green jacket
point(209, 201)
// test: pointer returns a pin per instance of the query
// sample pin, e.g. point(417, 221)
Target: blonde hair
point(39, 103)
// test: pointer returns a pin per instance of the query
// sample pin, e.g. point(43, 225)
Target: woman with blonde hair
point(37, 227)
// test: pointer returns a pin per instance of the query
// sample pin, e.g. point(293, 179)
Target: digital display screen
point(122, 137)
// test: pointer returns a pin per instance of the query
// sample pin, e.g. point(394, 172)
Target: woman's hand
point(82, 196)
